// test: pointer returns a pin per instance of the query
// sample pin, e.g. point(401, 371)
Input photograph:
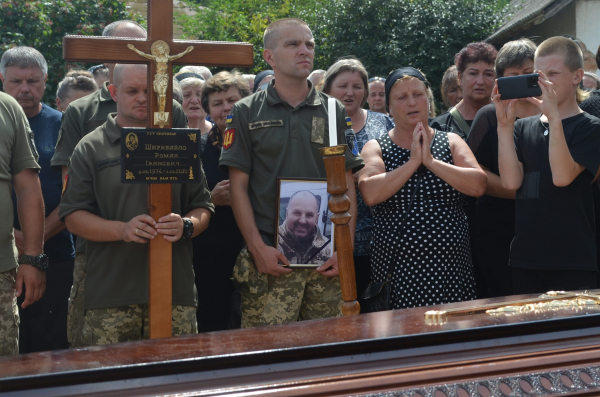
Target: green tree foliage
point(383, 34)
point(238, 20)
point(387, 34)
point(42, 25)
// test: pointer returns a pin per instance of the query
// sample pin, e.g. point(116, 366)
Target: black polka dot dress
point(433, 250)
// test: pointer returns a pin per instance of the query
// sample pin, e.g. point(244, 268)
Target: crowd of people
point(490, 198)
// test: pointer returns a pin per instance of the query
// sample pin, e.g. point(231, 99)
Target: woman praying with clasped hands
point(415, 179)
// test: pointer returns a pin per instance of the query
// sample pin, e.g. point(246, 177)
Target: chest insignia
point(263, 124)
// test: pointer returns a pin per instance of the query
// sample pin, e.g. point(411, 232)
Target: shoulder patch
point(228, 138)
point(351, 141)
point(32, 144)
point(229, 118)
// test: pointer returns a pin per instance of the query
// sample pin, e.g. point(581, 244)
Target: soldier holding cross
point(111, 216)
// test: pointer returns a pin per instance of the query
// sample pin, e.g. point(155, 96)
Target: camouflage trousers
point(9, 314)
point(130, 323)
point(303, 294)
point(76, 302)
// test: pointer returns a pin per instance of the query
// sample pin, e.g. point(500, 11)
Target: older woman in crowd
point(75, 85)
point(216, 250)
point(451, 91)
point(191, 89)
point(347, 81)
point(495, 221)
point(415, 177)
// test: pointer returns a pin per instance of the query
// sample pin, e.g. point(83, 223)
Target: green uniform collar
point(111, 129)
point(312, 99)
point(104, 93)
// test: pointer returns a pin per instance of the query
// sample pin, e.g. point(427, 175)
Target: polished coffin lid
point(300, 351)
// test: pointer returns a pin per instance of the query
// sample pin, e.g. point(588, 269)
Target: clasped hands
point(420, 150)
point(142, 228)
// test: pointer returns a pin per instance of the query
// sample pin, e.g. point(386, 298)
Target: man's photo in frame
point(304, 230)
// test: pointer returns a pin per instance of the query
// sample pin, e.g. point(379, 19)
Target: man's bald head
point(124, 71)
point(124, 29)
point(302, 214)
point(271, 36)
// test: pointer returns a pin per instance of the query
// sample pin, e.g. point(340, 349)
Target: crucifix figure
point(160, 54)
point(114, 49)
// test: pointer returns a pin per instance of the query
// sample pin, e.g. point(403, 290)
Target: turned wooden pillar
point(339, 204)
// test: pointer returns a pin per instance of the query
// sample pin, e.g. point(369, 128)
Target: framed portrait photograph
point(304, 231)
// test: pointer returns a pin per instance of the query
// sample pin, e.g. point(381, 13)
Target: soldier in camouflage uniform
point(275, 133)
point(112, 217)
point(19, 167)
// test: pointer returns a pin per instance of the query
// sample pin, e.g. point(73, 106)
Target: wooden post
point(339, 204)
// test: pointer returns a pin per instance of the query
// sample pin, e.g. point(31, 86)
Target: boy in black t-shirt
point(551, 160)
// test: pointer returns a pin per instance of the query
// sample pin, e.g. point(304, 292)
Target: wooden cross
point(115, 50)
point(440, 316)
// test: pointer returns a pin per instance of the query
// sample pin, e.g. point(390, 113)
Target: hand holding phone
point(523, 86)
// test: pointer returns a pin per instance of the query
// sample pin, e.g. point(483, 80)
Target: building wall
point(588, 24)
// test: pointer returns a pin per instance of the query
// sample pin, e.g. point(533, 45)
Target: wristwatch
point(188, 228)
point(40, 261)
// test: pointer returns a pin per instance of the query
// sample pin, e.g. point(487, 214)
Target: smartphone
point(523, 86)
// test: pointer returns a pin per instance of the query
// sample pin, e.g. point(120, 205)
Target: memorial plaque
point(160, 155)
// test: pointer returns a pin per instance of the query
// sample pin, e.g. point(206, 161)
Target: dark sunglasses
point(372, 79)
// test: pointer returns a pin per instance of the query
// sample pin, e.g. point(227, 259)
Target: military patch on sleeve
point(228, 138)
point(229, 118)
point(32, 144)
point(60, 134)
point(351, 141)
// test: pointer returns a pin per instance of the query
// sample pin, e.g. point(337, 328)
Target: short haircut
point(121, 67)
point(317, 198)
point(571, 52)
point(315, 73)
point(346, 65)
point(572, 57)
point(191, 82)
point(201, 70)
point(23, 58)
point(473, 53)
point(109, 30)
point(177, 91)
point(449, 80)
point(76, 80)
point(223, 81)
point(270, 36)
point(514, 54)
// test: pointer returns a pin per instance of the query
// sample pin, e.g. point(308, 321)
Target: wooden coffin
point(394, 353)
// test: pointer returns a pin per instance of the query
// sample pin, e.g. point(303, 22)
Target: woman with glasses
point(346, 80)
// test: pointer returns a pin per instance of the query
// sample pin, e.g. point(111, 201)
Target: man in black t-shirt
point(551, 160)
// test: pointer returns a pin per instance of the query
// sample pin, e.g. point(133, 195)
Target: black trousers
point(362, 271)
point(44, 323)
point(528, 281)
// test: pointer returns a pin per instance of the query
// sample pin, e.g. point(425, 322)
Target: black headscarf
point(260, 77)
point(398, 74)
